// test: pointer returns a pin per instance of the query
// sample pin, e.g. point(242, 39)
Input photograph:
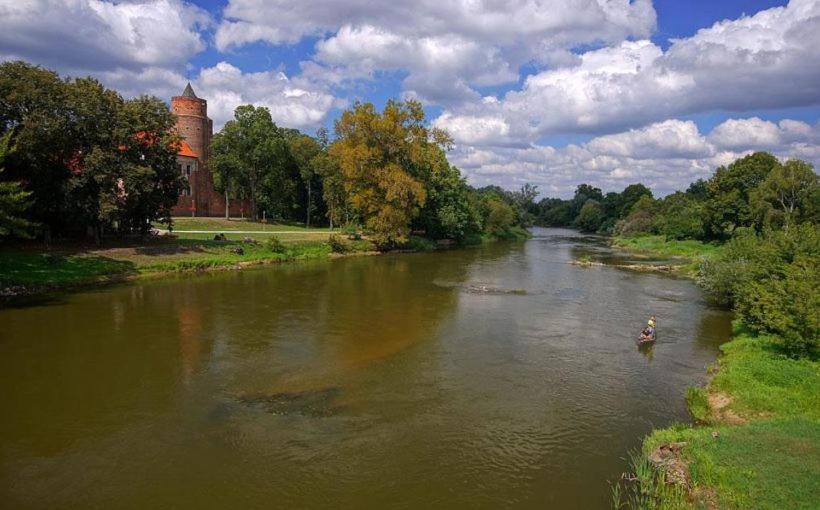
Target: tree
point(591, 216)
point(789, 194)
point(91, 160)
point(13, 201)
point(305, 150)
point(386, 159)
point(630, 195)
point(524, 200)
point(583, 193)
point(252, 149)
point(680, 217)
point(448, 212)
point(728, 203)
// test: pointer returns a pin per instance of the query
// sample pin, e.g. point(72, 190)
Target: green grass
point(44, 269)
point(689, 252)
point(223, 225)
point(771, 459)
point(77, 265)
point(659, 245)
point(763, 464)
point(764, 382)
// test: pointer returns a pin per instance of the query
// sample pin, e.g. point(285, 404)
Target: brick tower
point(194, 126)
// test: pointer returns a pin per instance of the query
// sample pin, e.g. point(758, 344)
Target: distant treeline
point(765, 214)
point(756, 191)
point(78, 160)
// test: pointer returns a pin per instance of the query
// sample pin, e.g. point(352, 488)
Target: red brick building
point(198, 198)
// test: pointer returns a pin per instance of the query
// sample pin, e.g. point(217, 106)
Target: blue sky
point(554, 92)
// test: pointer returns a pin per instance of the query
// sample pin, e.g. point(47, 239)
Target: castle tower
point(194, 126)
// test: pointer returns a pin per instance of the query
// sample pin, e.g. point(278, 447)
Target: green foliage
point(697, 404)
point(275, 245)
point(338, 244)
point(14, 201)
point(728, 205)
point(771, 279)
point(91, 159)
point(251, 154)
point(770, 462)
point(591, 217)
point(681, 217)
point(499, 217)
point(789, 194)
point(387, 160)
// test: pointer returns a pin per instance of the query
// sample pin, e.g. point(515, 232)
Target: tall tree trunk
point(227, 205)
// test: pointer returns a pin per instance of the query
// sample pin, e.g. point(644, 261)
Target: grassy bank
point(757, 441)
point(30, 269)
point(685, 256)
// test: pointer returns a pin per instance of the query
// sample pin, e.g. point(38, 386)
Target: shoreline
point(186, 257)
point(751, 426)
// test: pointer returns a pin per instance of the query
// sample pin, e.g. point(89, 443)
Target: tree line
point(80, 160)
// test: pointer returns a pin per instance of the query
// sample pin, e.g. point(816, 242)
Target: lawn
point(758, 445)
point(223, 225)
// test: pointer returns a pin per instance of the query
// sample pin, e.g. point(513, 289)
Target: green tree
point(591, 217)
point(448, 212)
point(252, 150)
point(305, 151)
point(630, 195)
point(728, 202)
point(680, 217)
point(386, 159)
point(771, 280)
point(14, 201)
point(789, 194)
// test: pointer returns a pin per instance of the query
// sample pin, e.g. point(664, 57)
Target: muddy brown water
point(494, 377)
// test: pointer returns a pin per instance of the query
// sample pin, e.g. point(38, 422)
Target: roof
point(185, 150)
point(189, 91)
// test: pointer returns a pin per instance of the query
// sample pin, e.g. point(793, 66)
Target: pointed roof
point(188, 92)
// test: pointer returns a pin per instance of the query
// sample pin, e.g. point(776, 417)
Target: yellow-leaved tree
point(386, 160)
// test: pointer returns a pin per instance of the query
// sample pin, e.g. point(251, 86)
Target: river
point(493, 377)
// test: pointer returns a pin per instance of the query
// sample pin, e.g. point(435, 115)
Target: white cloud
point(93, 35)
point(446, 48)
point(766, 60)
point(292, 102)
point(666, 156)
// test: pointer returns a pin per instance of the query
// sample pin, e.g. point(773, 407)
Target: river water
point(493, 377)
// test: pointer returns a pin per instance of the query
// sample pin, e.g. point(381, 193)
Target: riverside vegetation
point(88, 174)
point(751, 239)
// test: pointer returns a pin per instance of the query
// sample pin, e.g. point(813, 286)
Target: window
point(188, 170)
point(188, 191)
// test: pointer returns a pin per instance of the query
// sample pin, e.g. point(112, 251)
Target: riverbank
point(30, 269)
point(756, 438)
point(756, 442)
point(684, 256)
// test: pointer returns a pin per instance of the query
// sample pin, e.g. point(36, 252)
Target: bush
point(352, 231)
point(275, 245)
point(337, 244)
point(771, 280)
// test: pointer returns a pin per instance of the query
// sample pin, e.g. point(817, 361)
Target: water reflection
point(501, 376)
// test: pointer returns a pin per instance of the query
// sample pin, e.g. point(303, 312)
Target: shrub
point(337, 244)
point(771, 280)
point(352, 231)
point(275, 245)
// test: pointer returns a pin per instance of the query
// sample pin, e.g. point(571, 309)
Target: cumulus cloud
point(446, 48)
point(761, 61)
point(143, 47)
point(294, 102)
point(666, 156)
point(93, 35)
